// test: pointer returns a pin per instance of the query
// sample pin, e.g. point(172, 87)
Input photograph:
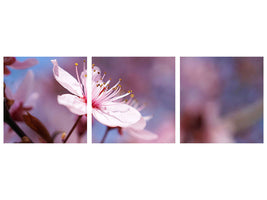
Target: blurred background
point(55, 117)
point(221, 99)
point(152, 80)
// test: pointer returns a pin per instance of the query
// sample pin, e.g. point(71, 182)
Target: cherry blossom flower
point(24, 99)
point(108, 106)
point(15, 64)
point(77, 101)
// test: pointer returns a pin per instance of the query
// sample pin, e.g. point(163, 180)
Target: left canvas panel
point(45, 100)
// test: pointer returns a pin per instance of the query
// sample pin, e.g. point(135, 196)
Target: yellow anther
point(120, 79)
point(85, 75)
point(110, 79)
point(126, 100)
point(129, 91)
point(93, 65)
point(84, 60)
point(119, 85)
point(105, 72)
point(132, 95)
point(94, 70)
point(76, 64)
point(63, 136)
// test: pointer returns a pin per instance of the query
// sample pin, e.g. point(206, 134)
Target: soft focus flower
point(204, 125)
point(77, 101)
point(15, 64)
point(24, 99)
point(107, 104)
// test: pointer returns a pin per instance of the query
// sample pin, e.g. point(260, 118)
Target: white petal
point(75, 104)
point(141, 124)
point(117, 114)
point(66, 80)
point(142, 134)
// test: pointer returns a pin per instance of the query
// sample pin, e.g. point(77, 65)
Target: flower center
point(95, 104)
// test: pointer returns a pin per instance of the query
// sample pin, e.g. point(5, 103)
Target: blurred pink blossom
point(107, 105)
point(204, 125)
point(77, 101)
point(24, 98)
point(15, 64)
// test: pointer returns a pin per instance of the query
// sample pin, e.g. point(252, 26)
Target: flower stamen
point(77, 74)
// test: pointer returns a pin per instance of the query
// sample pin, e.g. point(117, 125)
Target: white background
point(133, 171)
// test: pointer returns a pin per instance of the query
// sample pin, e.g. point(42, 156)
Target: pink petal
point(31, 100)
point(25, 64)
point(75, 104)
point(66, 80)
point(25, 87)
point(15, 106)
point(117, 114)
point(142, 134)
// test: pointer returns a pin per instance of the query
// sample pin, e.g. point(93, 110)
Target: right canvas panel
point(221, 100)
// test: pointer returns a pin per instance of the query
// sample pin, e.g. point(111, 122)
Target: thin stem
point(72, 129)
point(8, 119)
point(106, 134)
